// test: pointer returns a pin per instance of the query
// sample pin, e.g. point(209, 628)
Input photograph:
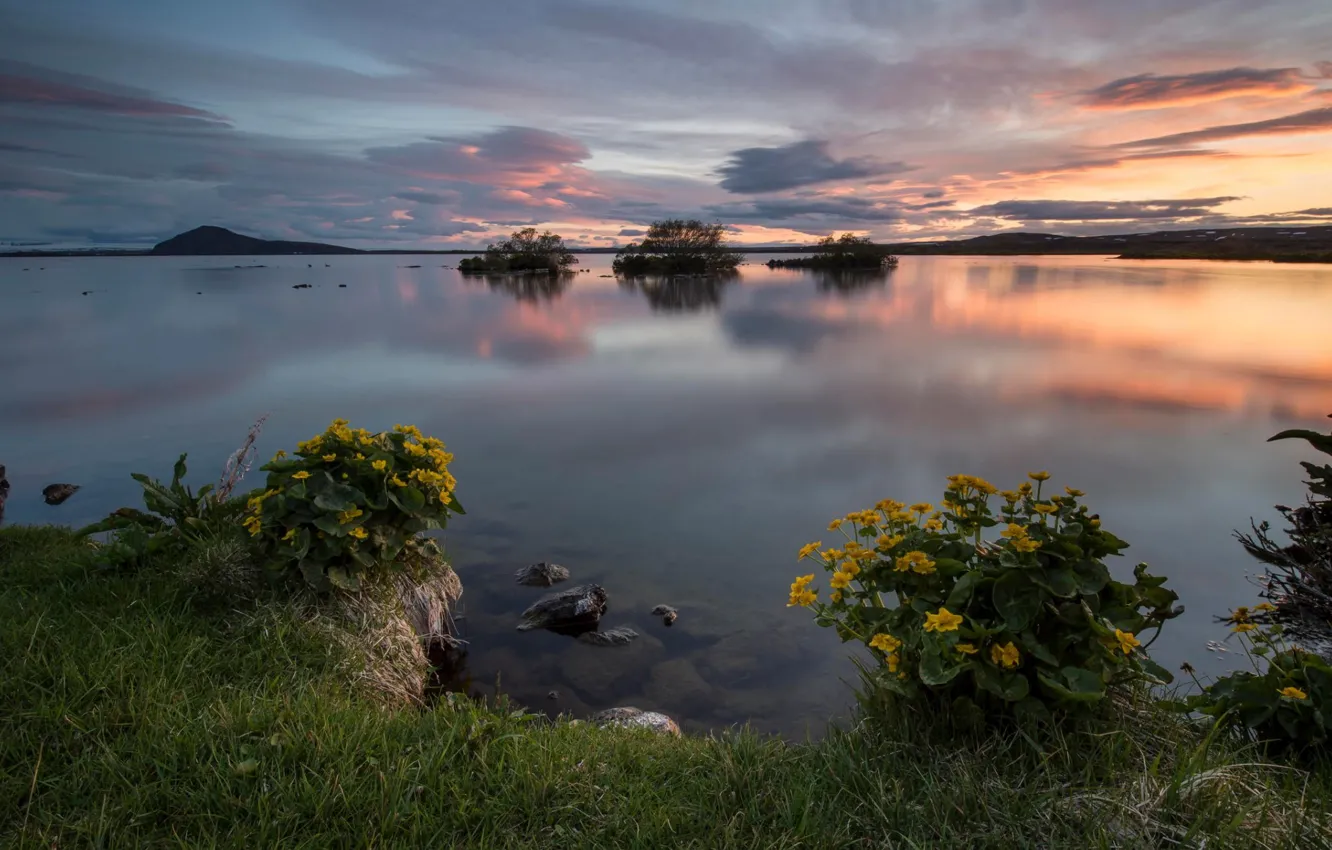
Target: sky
point(446, 124)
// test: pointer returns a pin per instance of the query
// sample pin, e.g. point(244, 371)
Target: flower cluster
point(351, 500)
point(1286, 700)
point(1029, 617)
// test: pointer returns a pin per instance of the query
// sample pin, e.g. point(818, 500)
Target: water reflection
point(849, 281)
point(675, 440)
point(681, 293)
point(532, 288)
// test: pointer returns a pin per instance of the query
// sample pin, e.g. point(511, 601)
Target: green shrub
point(177, 519)
point(524, 251)
point(1029, 622)
point(1286, 701)
point(350, 502)
point(845, 252)
point(677, 246)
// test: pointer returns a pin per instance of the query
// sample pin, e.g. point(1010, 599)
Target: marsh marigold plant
point(350, 501)
point(1027, 617)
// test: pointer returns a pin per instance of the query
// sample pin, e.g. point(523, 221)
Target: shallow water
point(677, 445)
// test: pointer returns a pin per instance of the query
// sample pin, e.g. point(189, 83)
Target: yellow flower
point(1006, 656)
point(851, 568)
point(1074, 493)
point(889, 505)
point(802, 598)
point(300, 476)
point(901, 516)
point(840, 580)
point(397, 482)
point(851, 547)
point(359, 533)
point(1014, 531)
point(922, 507)
point(836, 596)
point(1045, 509)
point(290, 535)
point(943, 621)
point(1095, 522)
point(1264, 606)
point(1010, 496)
point(1293, 692)
point(1039, 476)
point(349, 516)
point(808, 549)
point(329, 458)
point(885, 642)
point(917, 562)
point(360, 456)
point(887, 542)
point(1026, 544)
point(834, 525)
point(893, 660)
point(379, 465)
point(832, 555)
point(1127, 642)
point(934, 525)
point(862, 555)
point(1244, 627)
point(1025, 488)
point(280, 455)
point(966, 648)
point(1239, 615)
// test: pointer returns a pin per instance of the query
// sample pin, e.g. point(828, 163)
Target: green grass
point(136, 711)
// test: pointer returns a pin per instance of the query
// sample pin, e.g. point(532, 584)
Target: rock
point(56, 494)
point(553, 695)
point(303, 286)
point(743, 655)
point(577, 609)
point(667, 614)
point(340, 285)
point(676, 683)
point(541, 575)
point(628, 717)
point(621, 636)
point(4, 493)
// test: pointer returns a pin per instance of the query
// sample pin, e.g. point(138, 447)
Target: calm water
point(678, 445)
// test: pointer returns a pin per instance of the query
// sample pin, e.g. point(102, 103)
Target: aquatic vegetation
point(847, 251)
point(678, 246)
point(524, 251)
point(351, 502)
point(1026, 623)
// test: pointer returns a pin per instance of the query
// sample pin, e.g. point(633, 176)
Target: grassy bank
point(142, 710)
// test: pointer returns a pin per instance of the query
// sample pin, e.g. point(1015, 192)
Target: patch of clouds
point(1157, 91)
point(1050, 210)
point(806, 163)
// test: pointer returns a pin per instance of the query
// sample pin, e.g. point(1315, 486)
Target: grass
point(138, 711)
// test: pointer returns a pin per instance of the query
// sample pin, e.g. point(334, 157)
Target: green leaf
point(1321, 442)
point(313, 572)
point(962, 590)
point(1036, 649)
point(329, 525)
point(1013, 687)
point(343, 580)
point(935, 671)
point(1090, 576)
point(1075, 684)
point(1156, 671)
point(338, 497)
point(1059, 580)
point(408, 498)
point(178, 471)
point(1032, 710)
point(1017, 600)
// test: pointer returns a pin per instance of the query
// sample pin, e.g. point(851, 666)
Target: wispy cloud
point(807, 163)
point(1049, 210)
point(1152, 91)
point(1309, 121)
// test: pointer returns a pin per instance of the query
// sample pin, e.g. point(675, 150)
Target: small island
point(209, 241)
point(845, 252)
point(678, 247)
point(525, 251)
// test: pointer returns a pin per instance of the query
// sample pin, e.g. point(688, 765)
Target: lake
point(678, 444)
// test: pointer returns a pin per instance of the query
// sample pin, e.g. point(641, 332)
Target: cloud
point(1309, 121)
point(1152, 91)
point(756, 170)
point(788, 209)
point(31, 91)
point(428, 197)
point(1043, 210)
point(632, 231)
point(1324, 69)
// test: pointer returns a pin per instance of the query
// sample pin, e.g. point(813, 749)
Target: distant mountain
point(1281, 244)
point(217, 241)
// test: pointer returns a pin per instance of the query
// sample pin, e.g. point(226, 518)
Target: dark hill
point(1281, 244)
point(205, 241)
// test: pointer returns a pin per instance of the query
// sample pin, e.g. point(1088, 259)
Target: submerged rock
point(541, 575)
point(55, 494)
point(628, 717)
point(677, 683)
point(4, 493)
point(667, 614)
point(577, 608)
point(621, 636)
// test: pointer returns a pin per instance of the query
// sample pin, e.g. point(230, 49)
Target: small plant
point(847, 251)
point(524, 251)
point(677, 246)
point(350, 502)
point(176, 518)
point(1287, 700)
point(1031, 621)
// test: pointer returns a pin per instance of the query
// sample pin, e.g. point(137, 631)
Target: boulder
point(575, 610)
point(56, 494)
point(667, 614)
point(676, 683)
point(541, 575)
point(4, 493)
point(621, 636)
point(628, 717)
